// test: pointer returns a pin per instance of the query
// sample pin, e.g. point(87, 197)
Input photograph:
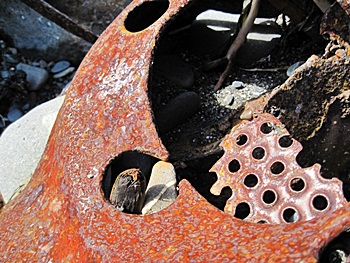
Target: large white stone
point(22, 144)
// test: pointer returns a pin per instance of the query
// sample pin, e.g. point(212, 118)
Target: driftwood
point(61, 19)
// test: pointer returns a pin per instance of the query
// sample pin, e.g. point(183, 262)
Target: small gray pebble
point(64, 73)
point(293, 67)
point(237, 84)
point(10, 58)
point(60, 66)
point(14, 114)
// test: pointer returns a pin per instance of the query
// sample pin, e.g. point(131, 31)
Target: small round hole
point(269, 197)
point(320, 202)
point(251, 180)
point(145, 15)
point(285, 141)
point(277, 168)
point(266, 128)
point(242, 210)
point(297, 184)
point(262, 222)
point(290, 215)
point(241, 139)
point(258, 153)
point(234, 166)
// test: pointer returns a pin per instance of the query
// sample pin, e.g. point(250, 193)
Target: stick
point(61, 19)
point(239, 41)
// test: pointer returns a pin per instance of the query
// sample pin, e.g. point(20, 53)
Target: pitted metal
point(259, 166)
point(62, 214)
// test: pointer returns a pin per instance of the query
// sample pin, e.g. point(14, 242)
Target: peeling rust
point(62, 215)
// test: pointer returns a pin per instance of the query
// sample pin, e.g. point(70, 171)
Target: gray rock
point(178, 110)
point(22, 144)
point(14, 114)
point(171, 67)
point(36, 77)
point(38, 37)
point(64, 73)
point(161, 189)
point(60, 66)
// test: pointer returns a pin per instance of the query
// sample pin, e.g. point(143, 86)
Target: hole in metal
point(269, 197)
point(277, 168)
point(320, 202)
point(145, 15)
point(251, 180)
point(258, 153)
point(285, 141)
point(297, 184)
point(290, 215)
point(338, 250)
point(234, 166)
point(241, 139)
point(266, 128)
point(242, 210)
point(128, 175)
point(262, 222)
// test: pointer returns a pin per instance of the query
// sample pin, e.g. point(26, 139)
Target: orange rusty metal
point(62, 215)
point(259, 166)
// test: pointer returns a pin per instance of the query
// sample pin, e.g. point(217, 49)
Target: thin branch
point(61, 19)
point(239, 41)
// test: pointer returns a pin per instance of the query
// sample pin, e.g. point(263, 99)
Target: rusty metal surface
point(255, 148)
point(62, 216)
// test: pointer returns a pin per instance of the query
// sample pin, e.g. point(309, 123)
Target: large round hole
point(297, 184)
point(251, 180)
point(320, 202)
point(258, 153)
point(285, 141)
point(242, 210)
point(290, 215)
point(269, 197)
point(266, 128)
point(241, 139)
point(234, 166)
point(277, 168)
point(145, 15)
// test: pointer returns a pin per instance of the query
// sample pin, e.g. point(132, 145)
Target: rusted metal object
point(260, 167)
point(62, 215)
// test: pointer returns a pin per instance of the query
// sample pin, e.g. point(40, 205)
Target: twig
point(61, 19)
point(264, 69)
point(239, 41)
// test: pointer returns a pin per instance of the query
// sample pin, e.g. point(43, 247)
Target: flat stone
point(60, 66)
point(36, 77)
point(178, 110)
point(22, 144)
point(64, 73)
point(161, 189)
point(172, 67)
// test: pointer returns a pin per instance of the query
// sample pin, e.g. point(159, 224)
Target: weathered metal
point(63, 216)
point(260, 167)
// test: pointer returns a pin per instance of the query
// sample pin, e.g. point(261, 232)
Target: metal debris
point(62, 214)
point(259, 166)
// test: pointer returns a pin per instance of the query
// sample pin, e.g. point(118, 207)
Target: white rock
point(161, 189)
point(22, 144)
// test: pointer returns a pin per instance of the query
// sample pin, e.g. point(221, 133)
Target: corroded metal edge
point(62, 216)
